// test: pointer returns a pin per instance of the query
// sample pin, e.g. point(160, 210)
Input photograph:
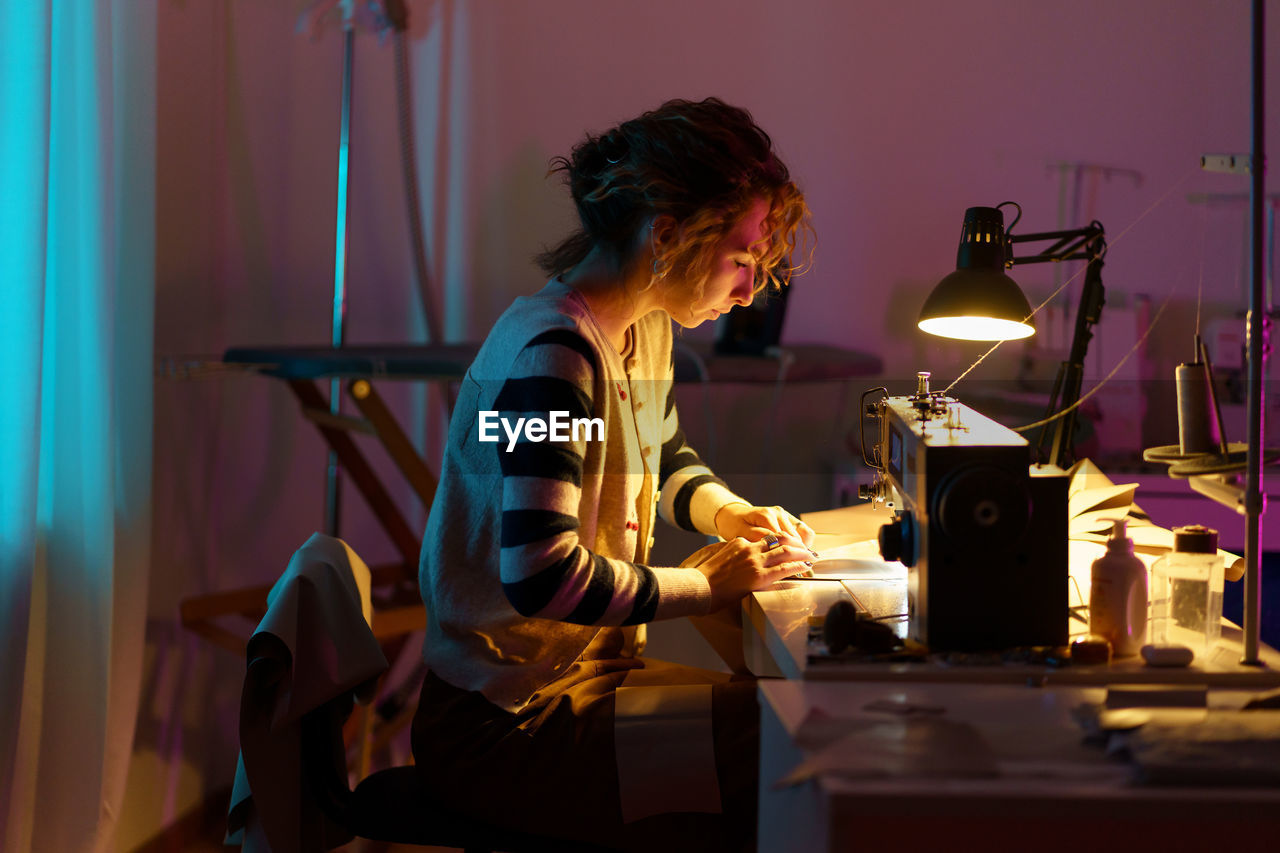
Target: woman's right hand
point(739, 567)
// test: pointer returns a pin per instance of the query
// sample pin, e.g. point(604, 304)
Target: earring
point(659, 267)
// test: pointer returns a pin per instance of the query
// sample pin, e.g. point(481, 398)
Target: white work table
point(935, 754)
point(1046, 789)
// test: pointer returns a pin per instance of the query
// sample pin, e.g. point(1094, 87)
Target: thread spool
point(1201, 450)
point(1197, 429)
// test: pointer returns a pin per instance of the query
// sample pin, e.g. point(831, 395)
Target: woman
point(537, 710)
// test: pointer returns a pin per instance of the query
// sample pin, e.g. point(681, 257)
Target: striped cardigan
point(531, 551)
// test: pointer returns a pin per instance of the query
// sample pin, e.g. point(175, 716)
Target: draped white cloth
point(76, 316)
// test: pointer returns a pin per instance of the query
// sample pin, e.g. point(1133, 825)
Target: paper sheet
point(1093, 498)
point(924, 745)
point(857, 560)
point(1224, 748)
point(1116, 499)
point(850, 523)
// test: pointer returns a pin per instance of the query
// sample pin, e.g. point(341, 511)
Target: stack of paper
point(1093, 505)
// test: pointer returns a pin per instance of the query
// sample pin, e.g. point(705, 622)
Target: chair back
point(311, 655)
point(311, 658)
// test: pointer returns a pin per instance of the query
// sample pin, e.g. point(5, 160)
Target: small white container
point(1118, 595)
point(1186, 591)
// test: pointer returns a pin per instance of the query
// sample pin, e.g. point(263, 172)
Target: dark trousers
point(552, 769)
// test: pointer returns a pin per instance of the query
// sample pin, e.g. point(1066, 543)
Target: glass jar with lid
point(1186, 592)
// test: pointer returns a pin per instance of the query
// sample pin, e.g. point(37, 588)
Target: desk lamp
point(979, 302)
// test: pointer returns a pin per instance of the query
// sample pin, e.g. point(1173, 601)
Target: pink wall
point(894, 116)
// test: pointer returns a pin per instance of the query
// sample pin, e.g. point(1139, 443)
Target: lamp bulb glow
point(977, 328)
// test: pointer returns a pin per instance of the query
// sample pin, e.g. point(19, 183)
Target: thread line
point(1095, 389)
point(1204, 226)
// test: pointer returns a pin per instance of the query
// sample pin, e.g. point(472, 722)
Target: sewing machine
point(982, 532)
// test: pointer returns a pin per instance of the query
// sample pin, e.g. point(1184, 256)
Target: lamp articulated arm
point(1088, 243)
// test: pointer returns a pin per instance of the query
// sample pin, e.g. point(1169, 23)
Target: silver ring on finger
point(770, 542)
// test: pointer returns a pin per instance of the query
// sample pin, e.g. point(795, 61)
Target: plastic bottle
point(1118, 595)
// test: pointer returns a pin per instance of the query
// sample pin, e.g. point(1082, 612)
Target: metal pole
point(331, 491)
point(1255, 499)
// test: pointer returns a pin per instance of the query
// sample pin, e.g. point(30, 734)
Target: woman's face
point(732, 274)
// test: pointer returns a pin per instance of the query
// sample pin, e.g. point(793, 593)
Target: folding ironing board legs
point(397, 444)
point(335, 430)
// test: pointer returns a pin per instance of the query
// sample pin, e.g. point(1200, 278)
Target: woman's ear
point(663, 231)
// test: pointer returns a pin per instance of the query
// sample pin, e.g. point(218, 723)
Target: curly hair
point(701, 162)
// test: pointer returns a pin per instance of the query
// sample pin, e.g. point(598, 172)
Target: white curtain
point(76, 308)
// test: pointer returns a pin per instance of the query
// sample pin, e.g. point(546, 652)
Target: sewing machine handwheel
point(983, 506)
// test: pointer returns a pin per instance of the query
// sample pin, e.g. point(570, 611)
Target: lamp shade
point(978, 302)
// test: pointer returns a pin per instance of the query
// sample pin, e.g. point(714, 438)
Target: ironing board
point(303, 369)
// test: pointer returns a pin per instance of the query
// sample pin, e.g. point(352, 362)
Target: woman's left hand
point(753, 523)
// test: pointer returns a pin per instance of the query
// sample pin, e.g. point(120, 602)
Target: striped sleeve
point(546, 572)
point(691, 494)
